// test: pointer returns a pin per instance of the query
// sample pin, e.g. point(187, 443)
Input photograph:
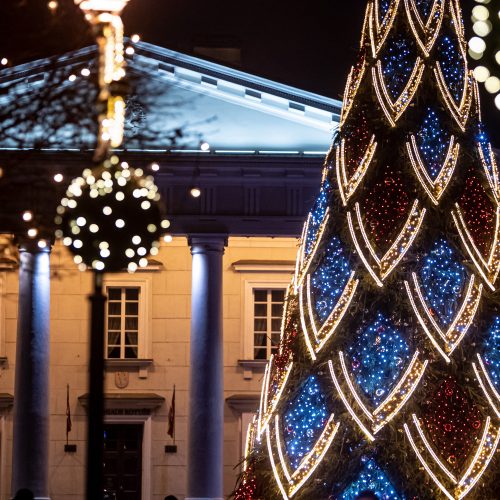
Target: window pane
point(260, 295)
point(132, 308)
point(114, 308)
point(132, 294)
point(131, 323)
point(274, 350)
point(113, 338)
point(260, 325)
point(277, 310)
point(260, 354)
point(114, 293)
point(131, 352)
point(113, 352)
point(260, 310)
point(278, 295)
point(275, 339)
point(276, 325)
point(260, 339)
point(114, 323)
point(131, 338)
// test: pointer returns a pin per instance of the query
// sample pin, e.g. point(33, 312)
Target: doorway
point(123, 461)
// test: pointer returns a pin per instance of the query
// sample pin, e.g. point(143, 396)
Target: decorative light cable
point(249, 441)
point(321, 336)
point(434, 188)
point(425, 33)
point(483, 455)
point(425, 465)
point(306, 261)
point(461, 322)
point(459, 112)
point(380, 29)
point(268, 408)
point(382, 267)
point(273, 465)
point(394, 109)
point(351, 89)
point(490, 168)
point(367, 433)
point(490, 268)
point(347, 187)
point(309, 463)
point(490, 393)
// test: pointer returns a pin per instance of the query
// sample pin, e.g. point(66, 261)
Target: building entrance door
point(123, 461)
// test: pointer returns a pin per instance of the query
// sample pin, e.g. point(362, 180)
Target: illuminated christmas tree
point(387, 376)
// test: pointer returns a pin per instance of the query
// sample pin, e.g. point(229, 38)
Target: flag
point(68, 414)
point(171, 417)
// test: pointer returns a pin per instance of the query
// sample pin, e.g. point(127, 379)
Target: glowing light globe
point(110, 218)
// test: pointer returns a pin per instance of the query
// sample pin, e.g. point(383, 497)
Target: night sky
point(309, 44)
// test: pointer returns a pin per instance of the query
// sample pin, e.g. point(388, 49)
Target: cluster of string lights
point(329, 279)
point(304, 420)
point(484, 47)
point(378, 357)
point(442, 277)
point(371, 478)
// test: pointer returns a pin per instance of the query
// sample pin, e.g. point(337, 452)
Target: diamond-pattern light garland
point(453, 423)
point(424, 7)
point(478, 212)
point(329, 279)
point(443, 278)
point(398, 61)
point(433, 141)
point(317, 215)
point(372, 478)
point(452, 65)
point(304, 421)
point(378, 358)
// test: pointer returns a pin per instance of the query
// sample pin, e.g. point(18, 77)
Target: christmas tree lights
point(371, 478)
point(389, 283)
point(377, 358)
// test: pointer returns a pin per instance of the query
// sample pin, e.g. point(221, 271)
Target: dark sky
point(308, 44)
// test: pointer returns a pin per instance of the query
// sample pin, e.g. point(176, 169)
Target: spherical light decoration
point(106, 213)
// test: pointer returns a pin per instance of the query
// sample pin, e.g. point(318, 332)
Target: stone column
point(206, 395)
point(30, 460)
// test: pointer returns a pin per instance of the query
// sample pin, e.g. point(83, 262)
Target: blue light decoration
point(452, 65)
point(373, 478)
point(378, 357)
point(491, 353)
point(330, 278)
point(317, 215)
point(304, 420)
point(432, 140)
point(442, 277)
point(383, 8)
point(424, 7)
point(398, 61)
point(484, 142)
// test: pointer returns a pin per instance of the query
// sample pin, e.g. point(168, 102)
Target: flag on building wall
point(171, 417)
point(68, 414)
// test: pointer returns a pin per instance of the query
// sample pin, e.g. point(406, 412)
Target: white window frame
point(249, 285)
point(144, 283)
point(3, 291)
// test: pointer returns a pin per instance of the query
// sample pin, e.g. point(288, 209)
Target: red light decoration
point(357, 137)
point(248, 486)
point(453, 423)
point(478, 212)
point(386, 208)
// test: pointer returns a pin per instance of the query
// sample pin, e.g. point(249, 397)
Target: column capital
point(202, 243)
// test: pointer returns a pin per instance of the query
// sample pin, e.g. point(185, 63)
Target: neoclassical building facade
point(202, 317)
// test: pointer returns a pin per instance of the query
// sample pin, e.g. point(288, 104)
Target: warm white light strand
point(347, 405)
point(273, 466)
point(424, 463)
